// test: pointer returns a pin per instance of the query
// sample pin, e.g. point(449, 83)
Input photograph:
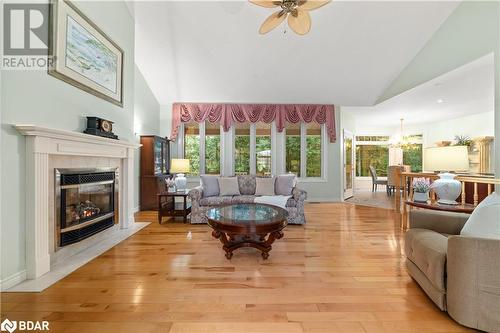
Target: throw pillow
point(484, 221)
point(209, 185)
point(228, 186)
point(246, 184)
point(264, 186)
point(285, 184)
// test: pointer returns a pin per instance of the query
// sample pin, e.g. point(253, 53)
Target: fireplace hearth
point(86, 203)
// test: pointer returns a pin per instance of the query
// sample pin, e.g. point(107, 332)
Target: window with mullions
point(412, 153)
point(374, 155)
point(292, 149)
point(242, 149)
point(304, 149)
point(313, 148)
point(212, 148)
point(202, 146)
point(192, 147)
point(263, 149)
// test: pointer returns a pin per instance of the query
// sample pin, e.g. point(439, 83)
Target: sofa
point(200, 202)
point(460, 274)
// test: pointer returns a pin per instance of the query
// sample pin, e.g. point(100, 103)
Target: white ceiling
point(212, 52)
point(464, 91)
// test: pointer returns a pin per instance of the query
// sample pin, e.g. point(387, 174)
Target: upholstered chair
point(375, 180)
point(394, 176)
point(459, 273)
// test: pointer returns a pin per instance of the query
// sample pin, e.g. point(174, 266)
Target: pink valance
point(227, 114)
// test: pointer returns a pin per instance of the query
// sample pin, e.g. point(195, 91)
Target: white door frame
point(348, 193)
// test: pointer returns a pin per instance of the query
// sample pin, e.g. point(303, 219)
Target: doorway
point(348, 141)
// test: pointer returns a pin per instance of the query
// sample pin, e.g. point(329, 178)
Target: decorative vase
point(447, 188)
point(420, 196)
point(180, 182)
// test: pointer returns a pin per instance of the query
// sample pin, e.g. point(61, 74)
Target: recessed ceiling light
point(440, 101)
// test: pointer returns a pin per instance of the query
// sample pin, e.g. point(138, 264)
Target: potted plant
point(421, 187)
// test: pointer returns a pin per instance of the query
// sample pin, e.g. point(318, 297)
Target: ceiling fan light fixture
point(297, 12)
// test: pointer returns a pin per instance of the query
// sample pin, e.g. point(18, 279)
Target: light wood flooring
point(374, 199)
point(342, 272)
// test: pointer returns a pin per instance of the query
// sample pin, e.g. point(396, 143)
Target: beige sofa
point(460, 274)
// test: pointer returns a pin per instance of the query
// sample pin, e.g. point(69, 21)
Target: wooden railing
point(474, 188)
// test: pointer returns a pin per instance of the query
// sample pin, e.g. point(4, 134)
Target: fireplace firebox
point(86, 203)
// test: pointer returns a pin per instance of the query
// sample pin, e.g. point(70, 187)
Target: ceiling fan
point(297, 12)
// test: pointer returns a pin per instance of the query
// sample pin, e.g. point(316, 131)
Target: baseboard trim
point(65, 267)
point(12, 280)
point(316, 200)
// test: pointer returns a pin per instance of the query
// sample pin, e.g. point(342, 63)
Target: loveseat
point(201, 202)
point(460, 274)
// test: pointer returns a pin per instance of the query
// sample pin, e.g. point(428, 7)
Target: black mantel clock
point(100, 127)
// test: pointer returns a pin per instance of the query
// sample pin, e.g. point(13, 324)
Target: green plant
point(463, 140)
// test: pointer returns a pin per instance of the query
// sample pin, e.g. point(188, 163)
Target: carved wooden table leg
point(225, 241)
point(270, 240)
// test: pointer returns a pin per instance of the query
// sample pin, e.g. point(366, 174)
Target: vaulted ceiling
point(210, 51)
point(462, 92)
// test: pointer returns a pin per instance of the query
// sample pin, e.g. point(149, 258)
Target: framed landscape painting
point(84, 56)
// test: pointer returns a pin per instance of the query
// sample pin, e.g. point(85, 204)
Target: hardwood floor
point(342, 272)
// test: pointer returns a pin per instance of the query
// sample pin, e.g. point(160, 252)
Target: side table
point(168, 207)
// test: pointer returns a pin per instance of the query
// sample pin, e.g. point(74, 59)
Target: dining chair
point(375, 180)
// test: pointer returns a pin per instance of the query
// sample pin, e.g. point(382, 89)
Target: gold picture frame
point(83, 55)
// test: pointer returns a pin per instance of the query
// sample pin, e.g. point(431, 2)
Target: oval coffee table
point(247, 225)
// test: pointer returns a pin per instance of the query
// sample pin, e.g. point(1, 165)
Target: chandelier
point(400, 140)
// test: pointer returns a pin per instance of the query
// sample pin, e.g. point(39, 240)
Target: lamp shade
point(450, 158)
point(179, 165)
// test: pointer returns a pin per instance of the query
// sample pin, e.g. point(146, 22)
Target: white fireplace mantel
point(41, 142)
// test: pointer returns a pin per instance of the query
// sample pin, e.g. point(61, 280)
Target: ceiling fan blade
point(312, 4)
point(266, 3)
point(300, 21)
point(272, 22)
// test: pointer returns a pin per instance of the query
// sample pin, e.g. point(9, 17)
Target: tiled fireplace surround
point(48, 149)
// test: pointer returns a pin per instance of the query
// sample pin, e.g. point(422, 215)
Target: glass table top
point(241, 213)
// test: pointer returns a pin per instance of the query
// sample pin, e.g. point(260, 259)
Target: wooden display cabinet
point(155, 166)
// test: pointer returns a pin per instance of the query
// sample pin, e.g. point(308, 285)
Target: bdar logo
point(8, 325)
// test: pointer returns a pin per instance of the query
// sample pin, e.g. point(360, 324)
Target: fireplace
point(86, 203)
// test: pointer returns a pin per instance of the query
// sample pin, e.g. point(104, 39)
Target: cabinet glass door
point(158, 156)
point(165, 153)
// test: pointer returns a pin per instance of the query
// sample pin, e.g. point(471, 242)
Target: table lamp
point(445, 160)
point(180, 166)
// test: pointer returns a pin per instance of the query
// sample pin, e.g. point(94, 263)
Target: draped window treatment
point(227, 114)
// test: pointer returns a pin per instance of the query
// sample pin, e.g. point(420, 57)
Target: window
point(292, 149)
point(242, 149)
point(202, 143)
point(212, 148)
point(374, 155)
point(313, 148)
point(263, 149)
point(250, 147)
point(374, 150)
point(303, 149)
point(376, 138)
point(412, 153)
point(192, 146)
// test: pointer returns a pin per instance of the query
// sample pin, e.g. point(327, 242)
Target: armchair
point(460, 274)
